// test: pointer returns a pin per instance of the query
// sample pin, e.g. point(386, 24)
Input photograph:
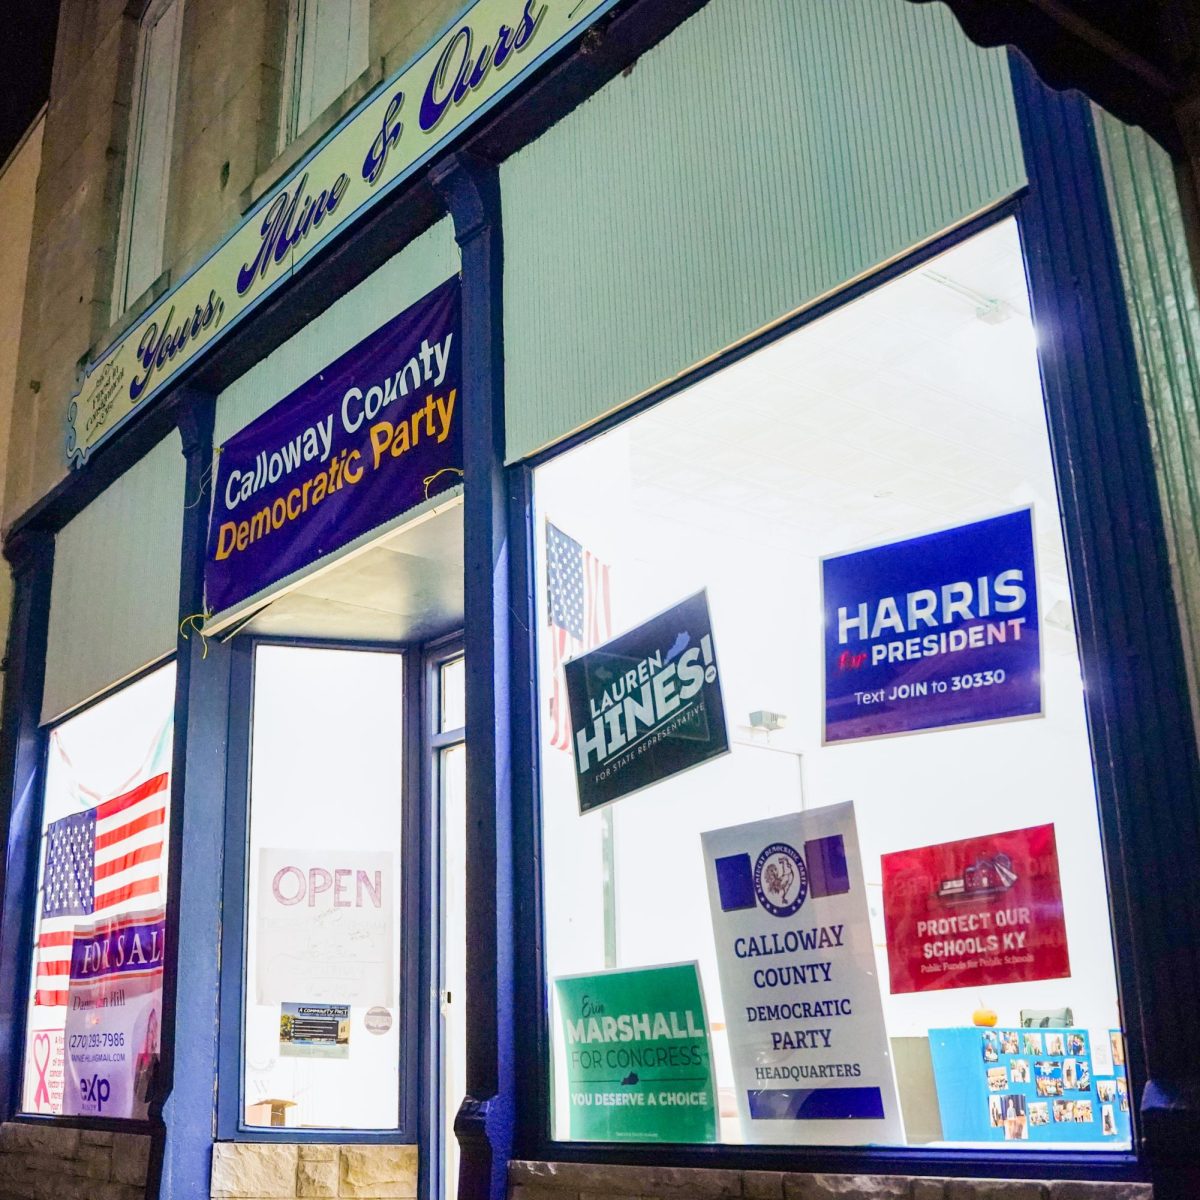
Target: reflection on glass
point(322, 1032)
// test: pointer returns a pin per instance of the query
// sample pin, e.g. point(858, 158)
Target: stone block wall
point(283, 1171)
point(592, 1181)
point(50, 1162)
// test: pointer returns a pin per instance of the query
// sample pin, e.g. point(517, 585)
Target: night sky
point(26, 56)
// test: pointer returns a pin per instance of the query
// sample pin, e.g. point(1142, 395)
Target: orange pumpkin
point(984, 1016)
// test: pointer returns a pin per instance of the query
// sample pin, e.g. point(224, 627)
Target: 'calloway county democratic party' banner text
point(935, 631)
point(372, 435)
point(639, 1063)
point(646, 704)
point(487, 52)
point(810, 1054)
point(980, 911)
point(114, 1016)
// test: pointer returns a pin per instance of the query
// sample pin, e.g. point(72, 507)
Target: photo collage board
point(1036, 1085)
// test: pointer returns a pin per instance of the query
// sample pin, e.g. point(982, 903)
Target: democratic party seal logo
point(780, 880)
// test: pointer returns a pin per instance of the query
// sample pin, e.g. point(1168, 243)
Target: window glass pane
point(903, 887)
point(331, 52)
point(92, 1037)
point(322, 1035)
point(453, 771)
point(150, 144)
point(454, 698)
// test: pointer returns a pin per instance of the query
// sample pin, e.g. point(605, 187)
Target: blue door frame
point(1138, 704)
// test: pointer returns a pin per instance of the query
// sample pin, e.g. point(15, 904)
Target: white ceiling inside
point(405, 587)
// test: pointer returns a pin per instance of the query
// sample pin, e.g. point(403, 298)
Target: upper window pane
point(327, 43)
point(92, 1038)
point(322, 998)
point(453, 695)
point(143, 218)
point(823, 797)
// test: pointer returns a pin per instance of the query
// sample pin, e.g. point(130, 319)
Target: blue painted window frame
point(533, 1037)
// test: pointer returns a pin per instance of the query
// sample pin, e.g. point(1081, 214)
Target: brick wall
point(49, 1162)
point(278, 1171)
point(592, 1181)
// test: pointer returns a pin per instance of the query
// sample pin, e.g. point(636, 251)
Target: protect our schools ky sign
point(975, 912)
point(934, 631)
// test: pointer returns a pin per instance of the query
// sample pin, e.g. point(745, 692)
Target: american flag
point(106, 860)
point(580, 617)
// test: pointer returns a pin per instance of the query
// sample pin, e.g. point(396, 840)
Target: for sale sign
point(979, 911)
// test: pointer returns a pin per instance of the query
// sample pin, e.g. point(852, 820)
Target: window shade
point(114, 600)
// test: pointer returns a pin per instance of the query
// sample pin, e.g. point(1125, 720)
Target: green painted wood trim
point(763, 155)
point(1160, 291)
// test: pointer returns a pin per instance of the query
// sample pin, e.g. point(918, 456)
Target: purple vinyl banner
point(934, 631)
point(375, 433)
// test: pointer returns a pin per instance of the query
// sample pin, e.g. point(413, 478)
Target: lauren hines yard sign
point(935, 631)
point(369, 437)
point(639, 1062)
point(646, 705)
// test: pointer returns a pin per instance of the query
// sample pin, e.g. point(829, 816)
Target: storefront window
point(821, 853)
point(95, 997)
point(323, 967)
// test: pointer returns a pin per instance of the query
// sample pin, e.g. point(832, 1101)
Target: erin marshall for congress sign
point(934, 631)
point(639, 1063)
point(372, 435)
point(646, 705)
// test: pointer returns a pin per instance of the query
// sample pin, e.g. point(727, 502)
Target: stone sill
point(593, 1181)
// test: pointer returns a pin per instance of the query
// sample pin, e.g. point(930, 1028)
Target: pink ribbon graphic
point(41, 1095)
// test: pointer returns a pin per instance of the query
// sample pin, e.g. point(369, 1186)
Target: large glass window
point(95, 997)
point(822, 860)
point(323, 1010)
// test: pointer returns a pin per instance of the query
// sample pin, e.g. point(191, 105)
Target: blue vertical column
point(1136, 691)
point(184, 1102)
point(21, 759)
point(484, 1126)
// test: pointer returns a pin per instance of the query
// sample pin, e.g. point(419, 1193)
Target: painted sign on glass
point(979, 911)
point(639, 1063)
point(935, 631)
point(371, 436)
point(811, 1063)
point(646, 704)
point(489, 51)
